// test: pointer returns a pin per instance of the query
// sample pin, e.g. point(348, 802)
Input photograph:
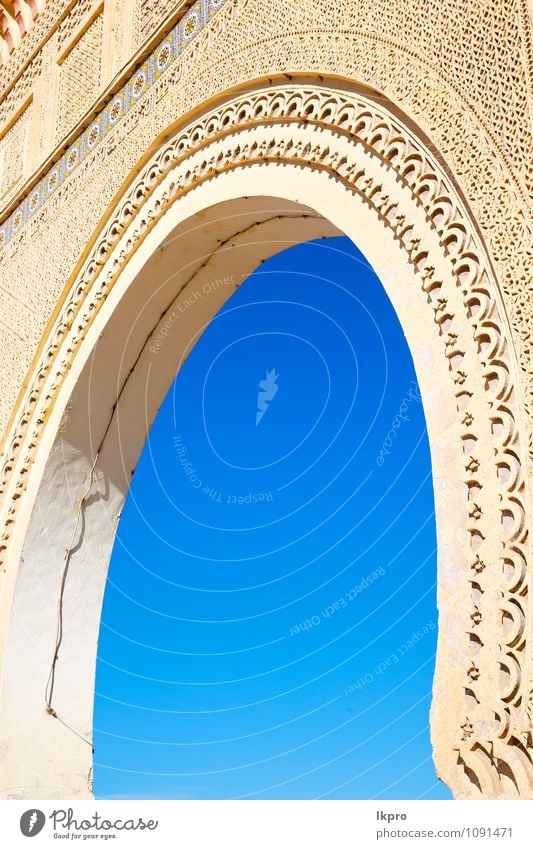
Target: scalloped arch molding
point(273, 164)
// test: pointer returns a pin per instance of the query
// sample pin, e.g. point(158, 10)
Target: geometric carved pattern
point(72, 21)
point(14, 152)
point(46, 21)
point(74, 99)
point(485, 57)
point(10, 104)
point(482, 54)
point(16, 19)
point(151, 13)
point(493, 739)
point(79, 77)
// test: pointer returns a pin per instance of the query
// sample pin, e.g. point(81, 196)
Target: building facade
point(149, 147)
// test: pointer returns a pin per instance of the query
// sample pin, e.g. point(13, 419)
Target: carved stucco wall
point(458, 69)
point(458, 72)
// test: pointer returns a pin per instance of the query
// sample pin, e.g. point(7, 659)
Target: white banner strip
point(268, 824)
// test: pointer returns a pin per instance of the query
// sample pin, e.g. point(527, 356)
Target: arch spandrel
point(349, 160)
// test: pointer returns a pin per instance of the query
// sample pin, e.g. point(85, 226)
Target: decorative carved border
point(499, 747)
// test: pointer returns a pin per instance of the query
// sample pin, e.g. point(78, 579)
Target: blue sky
point(269, 622)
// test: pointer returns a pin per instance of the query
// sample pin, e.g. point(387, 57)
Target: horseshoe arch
point(273, 164)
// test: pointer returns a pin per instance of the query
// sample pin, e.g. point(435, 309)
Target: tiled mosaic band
point(169, 49)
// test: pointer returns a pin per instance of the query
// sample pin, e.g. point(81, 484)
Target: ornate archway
point(282, 161)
